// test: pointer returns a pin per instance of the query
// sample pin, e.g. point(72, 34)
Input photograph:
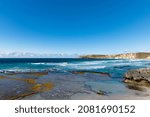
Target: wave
point(72, 65)
point(16, 70)
point(87, 68)
point(29, 70)
point(66, 64)
point(92, 62)
point(50, 64)
point(37, 63)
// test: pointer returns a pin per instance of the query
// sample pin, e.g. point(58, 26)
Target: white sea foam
point(87, 67)
point(59, 64)
point(81, 65)
point(120, 64)
point(92, 62)
point(94, 67)
point(37, 63)
point(77, 65)
point(63, 64)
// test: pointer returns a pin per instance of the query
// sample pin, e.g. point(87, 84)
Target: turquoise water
point(68, 85)
point(115, 67)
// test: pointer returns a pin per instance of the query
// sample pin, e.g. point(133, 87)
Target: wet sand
point(67, 86)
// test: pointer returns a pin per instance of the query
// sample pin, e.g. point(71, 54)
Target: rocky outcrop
point(138, 77)
point(92, 72)
point(140, 55)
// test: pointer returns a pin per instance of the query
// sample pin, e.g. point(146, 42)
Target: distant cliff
point(139, 55)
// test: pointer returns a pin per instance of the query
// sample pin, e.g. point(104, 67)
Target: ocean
point(68, 78)
point(115, 67)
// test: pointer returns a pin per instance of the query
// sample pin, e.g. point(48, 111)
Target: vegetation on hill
point(139, 55)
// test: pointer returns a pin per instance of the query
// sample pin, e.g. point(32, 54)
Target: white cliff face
point(148, 57)
point(126, 56)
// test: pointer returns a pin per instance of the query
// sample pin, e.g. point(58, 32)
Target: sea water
point(75, 86)
point(115, 67)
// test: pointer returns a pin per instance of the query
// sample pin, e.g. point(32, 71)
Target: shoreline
point(65, 86)
point(67, 79)
point(138, 55)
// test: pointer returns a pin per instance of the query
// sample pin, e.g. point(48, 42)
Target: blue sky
point(74, 26)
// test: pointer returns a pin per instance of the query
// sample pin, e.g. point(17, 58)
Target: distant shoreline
point(139, 55)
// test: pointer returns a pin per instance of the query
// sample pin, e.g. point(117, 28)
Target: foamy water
point(112, 66)
point(74, 86)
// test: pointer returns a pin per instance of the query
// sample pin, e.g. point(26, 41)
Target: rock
point(100, 92)
point(92, 72)
point(15, 86)
point(104, 93)
point(135, 87)
point(138, 76)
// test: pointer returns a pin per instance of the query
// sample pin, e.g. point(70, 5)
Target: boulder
point(138, 76)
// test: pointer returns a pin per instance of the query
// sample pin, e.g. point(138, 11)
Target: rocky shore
point(138, 77)
point(20, 85)
point(74, 85)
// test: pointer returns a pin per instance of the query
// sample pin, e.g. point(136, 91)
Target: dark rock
point(135, 87)
point(104, 93)
point(138, 76)
point(101, 92)
point(128, 67)
point(92, 72)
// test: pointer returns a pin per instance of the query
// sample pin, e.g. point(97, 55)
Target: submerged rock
point(18, 87)
point(104, 93)
point(138, 76)
point(92, 72)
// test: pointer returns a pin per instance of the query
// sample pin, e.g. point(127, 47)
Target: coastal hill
point(139, 55)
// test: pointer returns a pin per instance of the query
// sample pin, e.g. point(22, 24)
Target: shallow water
point(69, 79)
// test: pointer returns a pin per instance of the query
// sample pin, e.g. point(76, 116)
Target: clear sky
point(74, 26)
